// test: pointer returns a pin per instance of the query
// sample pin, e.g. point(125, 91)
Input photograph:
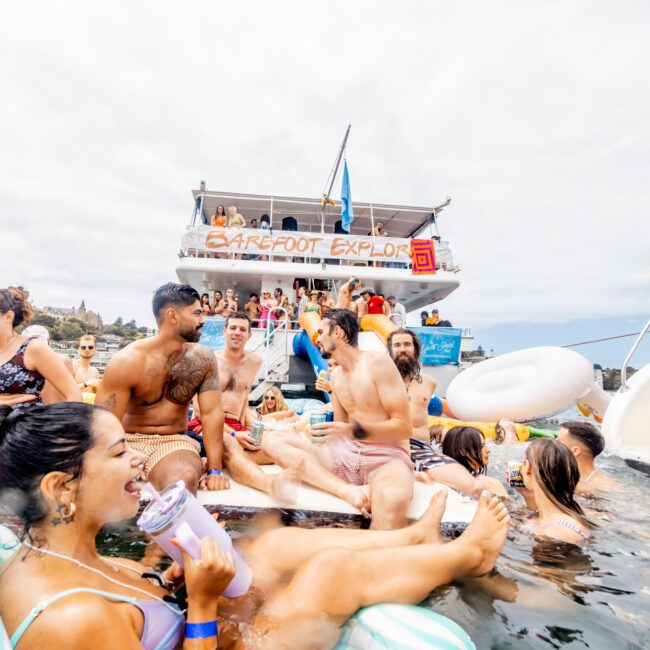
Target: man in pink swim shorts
point(368, 441)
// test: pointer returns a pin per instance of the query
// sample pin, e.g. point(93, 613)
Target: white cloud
point(532, 116)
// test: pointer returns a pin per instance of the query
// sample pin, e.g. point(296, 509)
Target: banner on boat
point(440, 345)
point(251, 241)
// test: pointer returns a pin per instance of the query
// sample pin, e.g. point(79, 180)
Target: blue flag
point(347, 213)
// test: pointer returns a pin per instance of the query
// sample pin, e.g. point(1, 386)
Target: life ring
point(525, 385)
point(488, 429)
point(402, 627)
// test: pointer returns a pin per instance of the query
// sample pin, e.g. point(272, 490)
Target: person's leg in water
point(391, 491)
point(286, 449)
point(335, 583)
point(275, 555)
point(282, 486)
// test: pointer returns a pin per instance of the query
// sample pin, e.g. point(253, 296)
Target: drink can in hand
point(317, 418)
point(514, 476)
point(258, 431)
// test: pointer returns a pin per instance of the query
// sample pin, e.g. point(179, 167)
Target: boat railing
point(274, 346)
point(628, 358)
point(250, 245)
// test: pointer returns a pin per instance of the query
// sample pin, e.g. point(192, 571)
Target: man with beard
point(367, 443)
point(404, 349)
point(149, 385)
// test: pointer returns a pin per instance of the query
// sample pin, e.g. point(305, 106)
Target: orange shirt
point(219, 221)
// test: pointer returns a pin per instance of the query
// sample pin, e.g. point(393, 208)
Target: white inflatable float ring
point(525, 385)
point(402, 627)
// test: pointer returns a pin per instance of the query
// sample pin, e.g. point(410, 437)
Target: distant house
point(83, 314)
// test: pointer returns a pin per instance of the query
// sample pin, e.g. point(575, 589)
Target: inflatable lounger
point(459, 510)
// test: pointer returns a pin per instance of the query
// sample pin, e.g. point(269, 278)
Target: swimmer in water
point(586, 442)
point(550, 474)
point(404, 349)
point(87, 476)
point(467, 445)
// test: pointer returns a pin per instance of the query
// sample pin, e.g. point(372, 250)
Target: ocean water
point(542, 595)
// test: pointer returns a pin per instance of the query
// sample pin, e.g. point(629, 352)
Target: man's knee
point(392, 486)
point(167, 473)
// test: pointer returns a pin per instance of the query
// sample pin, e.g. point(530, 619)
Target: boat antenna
point(325, 199)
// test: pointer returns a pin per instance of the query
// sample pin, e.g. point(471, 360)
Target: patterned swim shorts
point(426, 457)
point(156, 447)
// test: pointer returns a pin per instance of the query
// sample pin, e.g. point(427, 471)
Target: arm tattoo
point(195, 372)
point(211, 380)
point(109, 403)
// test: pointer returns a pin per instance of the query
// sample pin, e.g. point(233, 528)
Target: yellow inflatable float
point(488, 429)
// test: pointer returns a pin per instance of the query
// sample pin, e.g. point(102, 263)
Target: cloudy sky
point(532, 116)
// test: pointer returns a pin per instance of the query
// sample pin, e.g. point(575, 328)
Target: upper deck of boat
point(304, 239)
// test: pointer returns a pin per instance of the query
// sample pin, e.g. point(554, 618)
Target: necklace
point(11, 340)
point(81, 565)
point(590, 476)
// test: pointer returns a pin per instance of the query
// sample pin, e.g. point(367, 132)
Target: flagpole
point(337, 164)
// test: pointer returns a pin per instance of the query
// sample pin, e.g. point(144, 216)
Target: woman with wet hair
point(26, 363)
point(467, 446)
point(550, 474)
point(66, 471)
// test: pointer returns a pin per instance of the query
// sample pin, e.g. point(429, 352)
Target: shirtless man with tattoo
point(149, 385)
point(404, 349)
point(242, 455)
point(368, 441)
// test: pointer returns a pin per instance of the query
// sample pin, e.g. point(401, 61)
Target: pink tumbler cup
point(179, 515)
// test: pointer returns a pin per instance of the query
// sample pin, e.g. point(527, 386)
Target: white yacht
point(300, 241)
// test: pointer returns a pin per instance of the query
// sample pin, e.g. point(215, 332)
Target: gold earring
point(67, 512)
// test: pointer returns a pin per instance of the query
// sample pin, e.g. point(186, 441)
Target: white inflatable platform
point(460, 509)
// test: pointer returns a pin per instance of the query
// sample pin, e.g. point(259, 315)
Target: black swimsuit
point(17, 379)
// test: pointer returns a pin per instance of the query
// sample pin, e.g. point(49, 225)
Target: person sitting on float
point(586, 442)
point(467, 446)
point(67, 471)
point(26, 363)
point(274, 406)
point(550, 475)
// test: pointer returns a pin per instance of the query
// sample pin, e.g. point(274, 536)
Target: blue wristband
point(215, 471)
point(232, 433)
point(201, 630)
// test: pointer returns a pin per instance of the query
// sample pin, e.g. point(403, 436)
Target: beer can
point(257, 431)
point(323, 374)
point(514, 476)
point(317, 418)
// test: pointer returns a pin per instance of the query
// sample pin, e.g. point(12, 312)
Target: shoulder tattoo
point(194, 372)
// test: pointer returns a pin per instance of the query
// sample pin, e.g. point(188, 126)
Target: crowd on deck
point(278, 307)
point(67, 469)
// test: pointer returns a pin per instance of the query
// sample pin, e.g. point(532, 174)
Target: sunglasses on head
point(86, 347)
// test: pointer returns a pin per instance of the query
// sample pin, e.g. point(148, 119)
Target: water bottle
point(175, 513)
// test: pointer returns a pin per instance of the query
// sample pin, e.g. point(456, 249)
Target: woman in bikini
point(69, 472)
point(550, 474)
point(26, 363)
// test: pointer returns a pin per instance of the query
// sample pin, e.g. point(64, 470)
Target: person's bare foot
point(359, 497)
point(284, 486)
point(427, 528)
point(487, 533)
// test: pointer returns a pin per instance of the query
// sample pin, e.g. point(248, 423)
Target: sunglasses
point(271, 399)
point(86, 347)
